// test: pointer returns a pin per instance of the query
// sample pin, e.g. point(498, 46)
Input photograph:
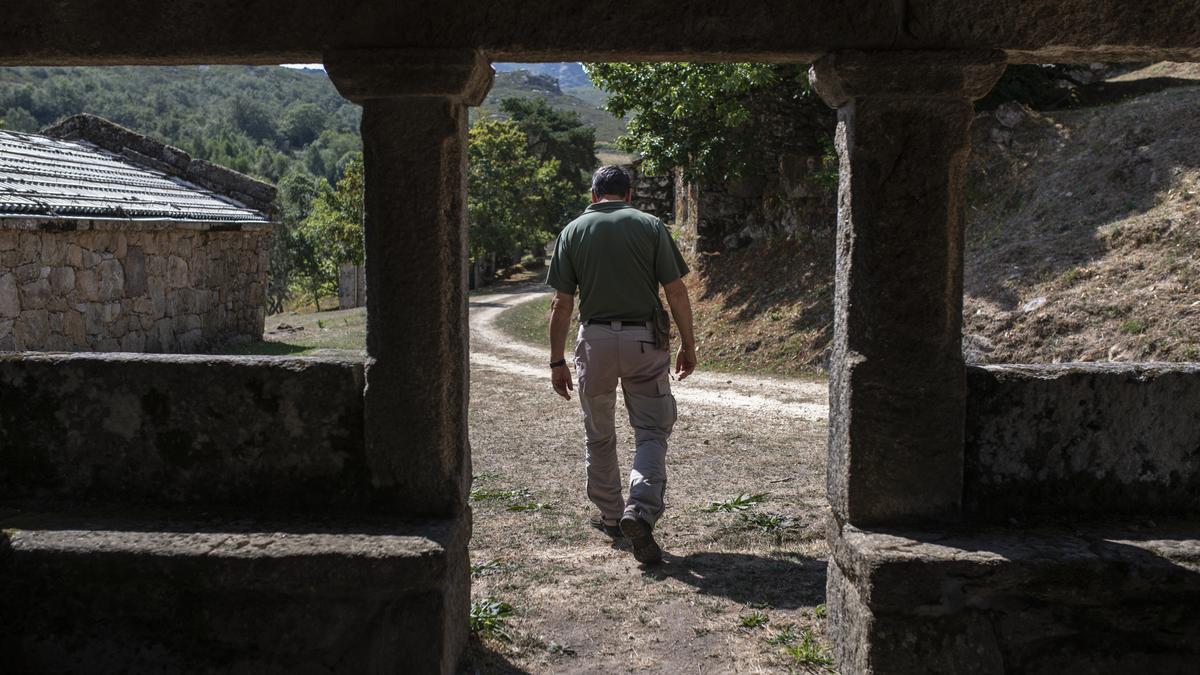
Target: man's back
point(617, 256)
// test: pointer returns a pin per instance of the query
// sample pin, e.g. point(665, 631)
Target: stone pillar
point(414, 133)
point(897, 386)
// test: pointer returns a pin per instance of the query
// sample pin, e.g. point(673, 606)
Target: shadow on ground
point(782, 581)
point(479, 659)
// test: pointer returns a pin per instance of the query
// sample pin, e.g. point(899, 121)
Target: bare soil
point(581, 603)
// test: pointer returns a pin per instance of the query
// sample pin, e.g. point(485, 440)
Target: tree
point(297, 191)
point(251, 117)
point(330, 234)
point(555, 134)
point(513, 200)
point(708, 117)
point(302, 123)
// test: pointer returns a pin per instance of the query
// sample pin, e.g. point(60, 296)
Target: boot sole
point(645, 549)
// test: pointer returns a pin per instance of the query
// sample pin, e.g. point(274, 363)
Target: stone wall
point(782, 187)
point(171, 430)
point(84, 285)
point(1082, 439)
point(654, 194)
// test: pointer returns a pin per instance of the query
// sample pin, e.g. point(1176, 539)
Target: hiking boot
point(645, 549)
point(613, 531)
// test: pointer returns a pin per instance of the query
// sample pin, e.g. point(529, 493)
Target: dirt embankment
point(1082, 238)
point(1083, 233)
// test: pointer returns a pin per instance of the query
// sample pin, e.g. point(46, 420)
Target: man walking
point(617, 256)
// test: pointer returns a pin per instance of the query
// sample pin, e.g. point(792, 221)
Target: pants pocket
point(651, 413)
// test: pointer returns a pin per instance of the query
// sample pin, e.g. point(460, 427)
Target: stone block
point(35, 293)
point(1097, 598)
point(169, 593)
point(220, 431)
point(10, 301)
point(74, 328)
point(133, 342)
point(62, 280)
point(31, 328)
point(177, 272)
point(111, 279)
point(1082, 440)
point(30, 247)
point(135, 271)
point(8, 341)
point(88, 285)
point(74, 256)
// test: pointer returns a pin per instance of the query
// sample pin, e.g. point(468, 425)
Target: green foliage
point(484, 494)
point(784, 636)
point(808, 651)
point(257, 120)
point(330, 234)
point(529, 506)
point(484, 569)
point(302, 123)
point(741, 502)
point(753, 620)
point(583, 101)
point(489, 617)
point(705, 117)
point(514, 201)
point(1133, 327)
point(556, 134)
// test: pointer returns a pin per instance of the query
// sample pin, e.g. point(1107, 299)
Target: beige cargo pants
point(604, 354)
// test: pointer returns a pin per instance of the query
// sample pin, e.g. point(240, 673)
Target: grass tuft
point(806, 650)
point(753, 620)
point(529, 506)
point(489, 617)
point(741, 502)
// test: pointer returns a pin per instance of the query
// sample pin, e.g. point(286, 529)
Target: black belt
point(624, 324)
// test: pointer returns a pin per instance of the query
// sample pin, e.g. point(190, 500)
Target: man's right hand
point(685, 363)
point(560, 377)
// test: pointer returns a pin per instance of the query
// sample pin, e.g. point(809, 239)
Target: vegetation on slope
point(1083, 234)
point(262, 121)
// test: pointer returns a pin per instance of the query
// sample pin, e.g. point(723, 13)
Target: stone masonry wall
point(654, 194)
point(130, 286)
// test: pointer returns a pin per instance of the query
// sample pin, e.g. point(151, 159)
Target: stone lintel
point(840, 77)
point(461, 75)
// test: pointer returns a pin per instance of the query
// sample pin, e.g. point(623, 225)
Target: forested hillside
point(262, 121)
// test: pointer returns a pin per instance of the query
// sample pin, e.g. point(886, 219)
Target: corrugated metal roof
point(42, 176)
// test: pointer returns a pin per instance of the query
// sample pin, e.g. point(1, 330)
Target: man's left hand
point(685, 363)
point(560, 377)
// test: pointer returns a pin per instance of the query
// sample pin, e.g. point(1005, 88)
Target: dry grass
point(580, 601)
point(1084, 233)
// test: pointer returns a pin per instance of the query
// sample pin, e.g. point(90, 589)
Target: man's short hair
point(610, 180)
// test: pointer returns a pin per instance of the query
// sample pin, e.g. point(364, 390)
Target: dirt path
point(737, 588)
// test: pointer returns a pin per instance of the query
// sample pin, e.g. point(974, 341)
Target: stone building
point(110, 241)
point(1031, 519)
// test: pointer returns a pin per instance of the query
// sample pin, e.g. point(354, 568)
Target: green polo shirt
point(616, 256)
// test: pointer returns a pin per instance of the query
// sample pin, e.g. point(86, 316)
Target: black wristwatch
point(556, 364)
